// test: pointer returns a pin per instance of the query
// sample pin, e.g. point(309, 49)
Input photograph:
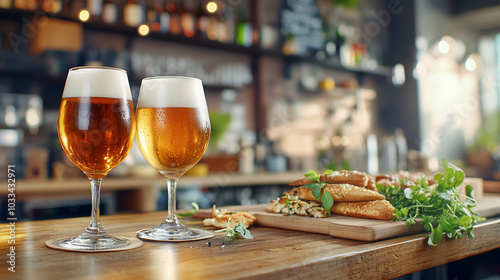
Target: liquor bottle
point(94, 7)
point(164, 18)
point(244, 30)
point(153, 10)
point(202, 20)
point(212, 23)
point(222, 30)
point(187, 18)
point(229, 22)
point(110, 12)
point(173, 8)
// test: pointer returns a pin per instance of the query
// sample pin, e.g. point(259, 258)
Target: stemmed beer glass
point(173, 129)
point(96, 130)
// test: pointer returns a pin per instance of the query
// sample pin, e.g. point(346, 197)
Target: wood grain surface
point(273, 253)
point(347, 227)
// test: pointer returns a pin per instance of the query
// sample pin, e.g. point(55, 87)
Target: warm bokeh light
point(84, 15)
point(143, 29)
point(443, 47)
point(470, 64)
point(211, 7)
point(32, 117)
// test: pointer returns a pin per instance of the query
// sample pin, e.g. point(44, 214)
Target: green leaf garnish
point(312, 175)
point(317, 190)
point(196, 207)
point(239, 229)
point(441, 206)
point(328, 172)
point(317, 187)
point(327, 201)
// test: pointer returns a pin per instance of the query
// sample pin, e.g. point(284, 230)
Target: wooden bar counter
point(272, 254)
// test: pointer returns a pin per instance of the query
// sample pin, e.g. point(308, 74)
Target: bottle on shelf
point(110, 12)
point(94, 7)
point(230, 24)
point(222, 30)
point(275, 162)
point(153, 11)
point(244, 32)
point(212, 27)
point(201, 21)
point(173, 9)
point(187, 18)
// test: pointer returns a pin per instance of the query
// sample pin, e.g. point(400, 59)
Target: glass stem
point(171, 187)
point(95, 224)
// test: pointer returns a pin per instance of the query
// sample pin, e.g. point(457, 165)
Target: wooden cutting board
point(344, 226)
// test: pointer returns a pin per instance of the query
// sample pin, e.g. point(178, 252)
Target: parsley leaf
point(189, 213)
point(239, 229)
point(327, 201)
point(317, 186)
point(312, 175)
point(440, 206)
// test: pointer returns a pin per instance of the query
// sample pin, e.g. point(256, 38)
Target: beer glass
point(172, 133)
point(96, 130)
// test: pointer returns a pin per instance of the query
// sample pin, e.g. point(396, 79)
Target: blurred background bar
point(377, 86)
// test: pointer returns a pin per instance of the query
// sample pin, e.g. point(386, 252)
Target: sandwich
point(353, 193)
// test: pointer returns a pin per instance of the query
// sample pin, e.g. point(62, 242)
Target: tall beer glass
point(96, 129)
point(172, 133)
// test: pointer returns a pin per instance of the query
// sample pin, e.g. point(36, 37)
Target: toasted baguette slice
point(355, 178)
point(340, 193)
point(224, 218)
point(379, 209)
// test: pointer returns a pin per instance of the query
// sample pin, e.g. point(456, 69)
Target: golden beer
point(172, 138)
point(96, 133)
point(173, 128)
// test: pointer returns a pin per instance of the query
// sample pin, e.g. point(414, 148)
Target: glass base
point(90, 242)
point(173, 233)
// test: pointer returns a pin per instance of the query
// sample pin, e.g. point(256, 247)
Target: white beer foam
point(97, 82)
point(160, 92)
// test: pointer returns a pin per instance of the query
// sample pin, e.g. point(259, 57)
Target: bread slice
point(224, 218)
point(378, 209)
point(340, 193)
point(355, 178)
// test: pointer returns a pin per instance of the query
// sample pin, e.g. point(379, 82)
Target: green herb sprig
point(239, 229)
point(441, 206)
point(196, 207)
point(325, 197)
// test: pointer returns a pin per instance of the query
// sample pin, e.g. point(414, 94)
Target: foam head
point(161, 92)
point(97, 82)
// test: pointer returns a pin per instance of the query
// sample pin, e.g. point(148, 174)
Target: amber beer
point(96, 119)
point(96, 133)
point(172, 139)
point(96, 129)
